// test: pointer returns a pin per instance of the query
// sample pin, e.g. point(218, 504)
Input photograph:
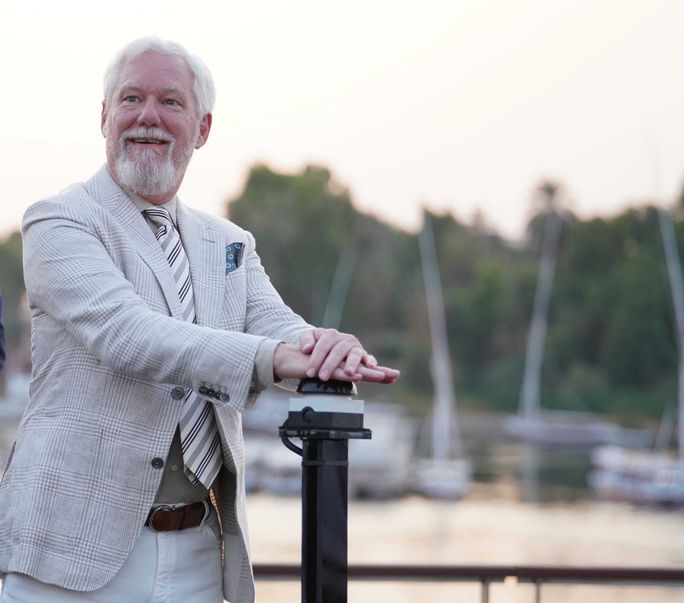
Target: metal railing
point(538, 575)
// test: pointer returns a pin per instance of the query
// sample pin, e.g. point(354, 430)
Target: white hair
point(202, 85)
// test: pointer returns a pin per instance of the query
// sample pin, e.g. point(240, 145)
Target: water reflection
point(537, 473)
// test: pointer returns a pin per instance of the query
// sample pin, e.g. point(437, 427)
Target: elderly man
point(153, 326)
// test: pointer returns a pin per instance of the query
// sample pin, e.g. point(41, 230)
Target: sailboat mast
point(674, 272)
point(529, 393)
point(444, 408)
point(332, 316)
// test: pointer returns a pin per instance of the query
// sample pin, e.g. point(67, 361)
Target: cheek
point(119, 122)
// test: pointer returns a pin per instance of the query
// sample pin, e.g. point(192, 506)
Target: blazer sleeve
point(72, 279)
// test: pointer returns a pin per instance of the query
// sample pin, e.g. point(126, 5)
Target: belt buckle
point(150, 521)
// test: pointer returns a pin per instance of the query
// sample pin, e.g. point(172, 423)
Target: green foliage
point(293, 217)
point(610, 344)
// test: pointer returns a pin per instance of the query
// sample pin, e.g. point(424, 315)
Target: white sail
point(529, 394)
point(445, 432)
point(552, 427)
point(445, 474)
point(674, 272)
point(650, 476)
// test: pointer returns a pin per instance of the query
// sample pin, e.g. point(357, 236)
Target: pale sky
point(460, 105)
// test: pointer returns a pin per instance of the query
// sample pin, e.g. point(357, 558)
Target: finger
point(370, 361)
point(307, 341)
point(354, 358)
point(319, 352)
point(338, 355)
point(339, 374)
point(331, 348)
point(381, 374)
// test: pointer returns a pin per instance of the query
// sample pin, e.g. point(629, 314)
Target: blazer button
point(177, 393)
point(225, 397)
point(157, 463)
point(203, 390)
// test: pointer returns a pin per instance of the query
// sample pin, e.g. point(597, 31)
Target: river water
point(487, 527)
point(527, 506)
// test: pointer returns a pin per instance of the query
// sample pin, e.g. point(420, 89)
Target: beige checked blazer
point(110, 350)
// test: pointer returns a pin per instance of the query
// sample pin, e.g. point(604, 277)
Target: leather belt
point(169, 518)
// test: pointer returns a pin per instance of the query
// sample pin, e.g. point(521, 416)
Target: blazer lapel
point(205, 249)
point(111, 195)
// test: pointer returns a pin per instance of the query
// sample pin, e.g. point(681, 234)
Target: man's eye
point(173, 102)
point(131, 98)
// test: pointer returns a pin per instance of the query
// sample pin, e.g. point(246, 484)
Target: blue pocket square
point(234, 256)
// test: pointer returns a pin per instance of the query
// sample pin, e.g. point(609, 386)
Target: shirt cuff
point(263, 364)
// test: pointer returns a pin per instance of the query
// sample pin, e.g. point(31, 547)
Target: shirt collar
point(143, 204)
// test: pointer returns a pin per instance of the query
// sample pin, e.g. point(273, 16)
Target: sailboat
point(650, 476)
point(446, 473)
point(532, 424)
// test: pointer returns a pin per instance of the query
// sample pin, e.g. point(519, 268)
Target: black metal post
point(325, 423)
point(324, 521)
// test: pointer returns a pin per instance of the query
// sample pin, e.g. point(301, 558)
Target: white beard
point(142, 171)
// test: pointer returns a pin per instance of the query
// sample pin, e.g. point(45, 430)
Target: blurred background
point(485, 192)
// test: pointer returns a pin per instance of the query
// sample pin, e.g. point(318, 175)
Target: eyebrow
point(134, 87)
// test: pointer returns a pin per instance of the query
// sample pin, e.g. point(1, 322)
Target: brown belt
point(168, 518)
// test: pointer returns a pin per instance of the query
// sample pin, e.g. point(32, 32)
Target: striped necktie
point(199, 435)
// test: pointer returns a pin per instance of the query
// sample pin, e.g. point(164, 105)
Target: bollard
point(325, 418)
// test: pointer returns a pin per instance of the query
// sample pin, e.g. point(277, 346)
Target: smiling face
point(152, 126)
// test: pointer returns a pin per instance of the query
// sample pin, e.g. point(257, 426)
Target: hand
point(331, 350)
point(289, 362)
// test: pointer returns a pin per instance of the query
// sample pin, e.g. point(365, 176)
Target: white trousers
point(163, 567)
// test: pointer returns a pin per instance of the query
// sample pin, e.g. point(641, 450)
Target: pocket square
point(234, 256)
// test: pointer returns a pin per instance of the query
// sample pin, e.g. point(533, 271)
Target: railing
point(487, 574)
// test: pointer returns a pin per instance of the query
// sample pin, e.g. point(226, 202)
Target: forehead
point(154, 70)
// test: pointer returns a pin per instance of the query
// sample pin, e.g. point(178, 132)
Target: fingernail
point(324, 375)
point(310, 372)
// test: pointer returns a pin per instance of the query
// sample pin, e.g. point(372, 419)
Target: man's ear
point(205, 127)
point(103, 120)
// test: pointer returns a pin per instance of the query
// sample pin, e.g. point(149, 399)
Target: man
point(153, 325)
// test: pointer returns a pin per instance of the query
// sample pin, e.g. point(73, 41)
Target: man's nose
point(149, 113)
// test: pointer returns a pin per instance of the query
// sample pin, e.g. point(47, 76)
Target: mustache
point(147, 133)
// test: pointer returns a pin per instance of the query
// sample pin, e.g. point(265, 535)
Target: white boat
point(639, 476)
point(551, 427)
point(555, 427)
point(379, 468)
point(445, 472)
point(650, 476)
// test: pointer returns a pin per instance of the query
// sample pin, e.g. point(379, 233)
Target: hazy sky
point(459, 104)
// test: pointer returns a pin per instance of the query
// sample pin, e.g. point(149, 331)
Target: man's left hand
point(329, 349)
